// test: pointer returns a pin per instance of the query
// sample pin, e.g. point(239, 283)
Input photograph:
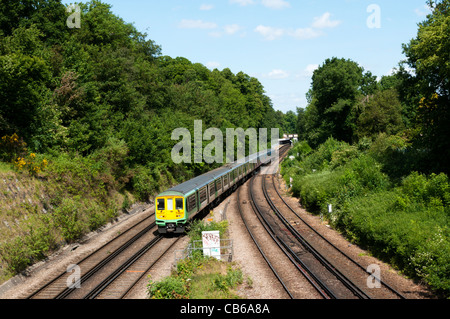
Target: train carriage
point(178, 205)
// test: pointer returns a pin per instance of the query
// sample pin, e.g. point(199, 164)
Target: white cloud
point(242, 2)
point(309, 70)
point(325, 22)
point(322, 22)
point(270, 33)
point(276, 4)
point(306, 33)
point(232, 28)
point(206, 7)
point(272, 4)
point(196, 24)
point(278, 74)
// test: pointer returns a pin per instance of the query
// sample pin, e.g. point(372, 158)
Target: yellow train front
point(170, 213)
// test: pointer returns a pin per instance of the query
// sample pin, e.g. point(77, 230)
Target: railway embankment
point(42, 213)
point(400, 216)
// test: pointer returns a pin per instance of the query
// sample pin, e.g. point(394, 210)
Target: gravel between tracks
point(263, 284)
point(37, 275)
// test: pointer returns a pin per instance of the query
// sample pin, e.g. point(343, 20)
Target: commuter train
point(177, 206)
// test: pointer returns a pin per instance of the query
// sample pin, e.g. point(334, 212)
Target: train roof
point(199, 181)
point(202, 180)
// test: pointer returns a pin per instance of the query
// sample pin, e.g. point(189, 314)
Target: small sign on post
point(211, 243)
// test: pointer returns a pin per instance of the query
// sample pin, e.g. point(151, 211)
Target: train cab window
point(161, 204)
point(179, 204)
point(170, 204)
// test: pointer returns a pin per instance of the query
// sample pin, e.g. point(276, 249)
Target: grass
point(6, 167)
point(59, 205)
point(200, 277)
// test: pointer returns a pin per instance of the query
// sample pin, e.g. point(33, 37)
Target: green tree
point(48, 15)
point(335, 89)
point(22, 85)
point(428, 56)
point(381, 113)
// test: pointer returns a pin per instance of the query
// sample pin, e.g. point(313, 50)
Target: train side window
point(191, 203)
point(161, 204)
point(219, 184)
point(212, 189)
point(179, 204)
point(202, 194)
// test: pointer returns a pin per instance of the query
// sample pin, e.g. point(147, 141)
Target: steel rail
point(321, 287)
point(147, 270)
point(122, 268)
point(47, 285)
point(261, 251)
point(64, 294)
point(331, 244)
point(327, 264)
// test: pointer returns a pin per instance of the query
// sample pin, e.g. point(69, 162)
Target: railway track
point(118, 264)
point(127, 276)
point(268, 246)
point(113, 270)
point(318, 245)
point(335, 284)
point(295, 278)
point(320, 264)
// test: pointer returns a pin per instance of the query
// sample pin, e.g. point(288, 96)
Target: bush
point(12, 147)
point(20, 252)
point(143, 183)
point(429, 190)
point(70, 220)
point(397, 156)
point(410, 235)
point(358, 177)
point(403, 221)
point(111, 160)
point(172, 287)
point(16, 254)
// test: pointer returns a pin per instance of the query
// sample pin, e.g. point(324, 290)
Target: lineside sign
point(211, 243)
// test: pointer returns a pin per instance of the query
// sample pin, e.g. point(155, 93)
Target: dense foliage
point(86, 118)
point(378, 152)
point(79, 90)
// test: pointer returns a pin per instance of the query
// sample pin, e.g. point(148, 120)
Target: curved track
point(316, 242)
point(121, 263)
point(332, 273)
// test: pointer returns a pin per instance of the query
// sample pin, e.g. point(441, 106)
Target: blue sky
point(280, 42)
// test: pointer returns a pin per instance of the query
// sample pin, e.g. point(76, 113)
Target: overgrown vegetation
point(199, 276)
point(404, 222)
point(86, 118)
point(69, 199)
point(378, 152)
